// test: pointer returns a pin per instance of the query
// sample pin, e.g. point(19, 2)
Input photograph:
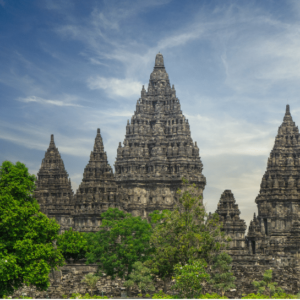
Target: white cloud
point(65, 102)
point(33, 137)
point(115, 87)
point(231, 136)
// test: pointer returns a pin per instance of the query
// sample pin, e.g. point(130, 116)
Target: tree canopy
point(27, 250)
point(184, 234)
point(121, 241)
point(72, 244)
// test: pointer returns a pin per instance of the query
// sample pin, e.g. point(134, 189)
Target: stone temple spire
point(97, 191)
point(279, 196)
point(54, 192)
point(158, 149)
point(233, 226)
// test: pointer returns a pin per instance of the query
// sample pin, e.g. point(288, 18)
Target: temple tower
point(97, 192)
point(158, 149)
point(278, 201)
point(233, 226)
point(53, 188)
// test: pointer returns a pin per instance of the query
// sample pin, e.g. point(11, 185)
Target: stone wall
point(68, 280)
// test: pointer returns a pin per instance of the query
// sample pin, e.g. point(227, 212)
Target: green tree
point(190, 278)
point(183, 234)
point(91, 280)
point(72, 244)
point(140, 277)
point(222, 278)
point(266, 286)
point(121, 241)
point(27, 237)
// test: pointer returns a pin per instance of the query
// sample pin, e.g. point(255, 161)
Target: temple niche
point(53, 188)
point(158, 149)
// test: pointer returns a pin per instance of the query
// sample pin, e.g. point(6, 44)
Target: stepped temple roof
point(278, 201)
point(233, 226)
point(54, 191)
point(97, 191)
point(158, 144)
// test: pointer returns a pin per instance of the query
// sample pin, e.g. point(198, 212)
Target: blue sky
point(70, 67)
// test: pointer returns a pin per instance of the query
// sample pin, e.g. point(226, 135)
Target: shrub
point(86, 296)
point(266, 285)
point(91, 280)
point(190, 278)
point(141, 278)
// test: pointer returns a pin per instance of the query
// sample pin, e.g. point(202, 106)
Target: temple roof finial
point(287, 109)
point(52, 144)
point(159, 61)
point(98, 130)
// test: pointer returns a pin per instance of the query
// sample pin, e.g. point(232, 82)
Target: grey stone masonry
point(53, 188)
point(233, 226)
point(158, 149)
point(278, 201)
point(97, 192)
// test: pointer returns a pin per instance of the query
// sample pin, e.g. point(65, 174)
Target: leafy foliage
point(162, 295)
point(190, 278)
point(27, 250)
point(140, 277)
point(86, 296)
point(222, 278)
point(72, 244)
point(266, 286)
point(121, 241)
point(274, 296)
point(183, 234)
point(211, 296)
point(91, 280)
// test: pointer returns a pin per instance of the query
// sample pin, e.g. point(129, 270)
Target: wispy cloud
point(66, 102)
point(115, 87)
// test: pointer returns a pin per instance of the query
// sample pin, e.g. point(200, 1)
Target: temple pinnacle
point(287, 109)
point(159, 61)
point(52, 144)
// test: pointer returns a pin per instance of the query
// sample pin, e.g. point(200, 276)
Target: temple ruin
point(156, 154)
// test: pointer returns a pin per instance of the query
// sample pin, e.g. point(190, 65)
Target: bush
point(274, 296)
point(266, 286)
point(190, 278)
point(141, 278)
point(222, 277)
point(162, 295)
point(212, 296)
point(91, 280)
point(86, 296)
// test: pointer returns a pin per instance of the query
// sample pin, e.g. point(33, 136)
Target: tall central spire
point(158, 148)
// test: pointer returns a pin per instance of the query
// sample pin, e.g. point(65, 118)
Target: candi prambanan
point(156, 154)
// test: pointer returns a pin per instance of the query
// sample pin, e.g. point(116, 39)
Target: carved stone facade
point(97, 192)
point(156, 153)
point(158, 149)
point(53, 188)
point(278, 202)
point(233, 226)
